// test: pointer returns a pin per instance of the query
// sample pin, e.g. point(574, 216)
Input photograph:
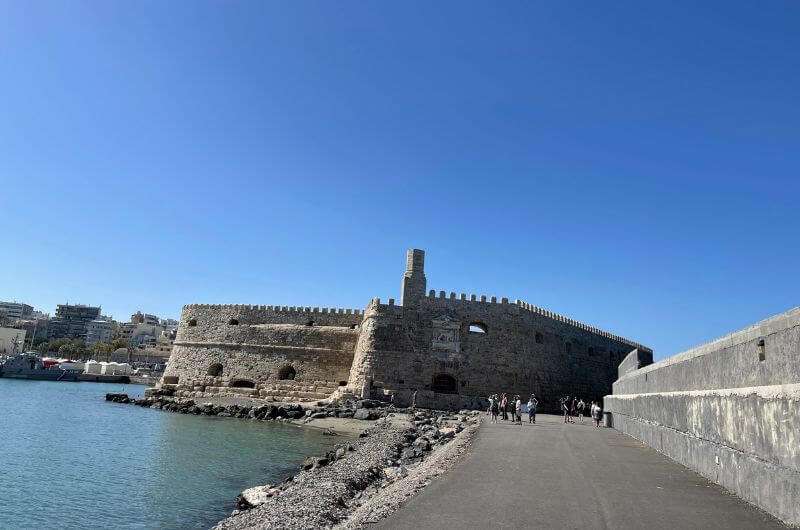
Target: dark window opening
point(353, 326)
point(170, 379)
point(477, 327)
point(444, 384)
point(242, 383)
point(539, 338)
point(192, 323)
point(342, 383)
point(233, 322)
point(762, 350)
point(287, 372)
point(310, 323)
point(215, 369)
point(401, 381)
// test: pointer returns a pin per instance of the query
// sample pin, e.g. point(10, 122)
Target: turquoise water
point(69, 459)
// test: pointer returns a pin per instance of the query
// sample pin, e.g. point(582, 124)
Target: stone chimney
point(414, 282)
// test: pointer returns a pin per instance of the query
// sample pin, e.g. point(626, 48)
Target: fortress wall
point(522, 351)
point(255, 343)
point(729, 409)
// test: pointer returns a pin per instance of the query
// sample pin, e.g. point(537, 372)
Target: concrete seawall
point(729, 410)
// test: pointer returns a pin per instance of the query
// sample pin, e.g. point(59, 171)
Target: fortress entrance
point(444, 384)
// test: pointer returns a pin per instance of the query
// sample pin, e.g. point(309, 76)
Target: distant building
point(144, 318)
point(100, 330)
point(71, 321)
point(11, 341)
point(15, 310)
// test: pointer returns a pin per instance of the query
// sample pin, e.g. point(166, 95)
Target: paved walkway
point(552, 475)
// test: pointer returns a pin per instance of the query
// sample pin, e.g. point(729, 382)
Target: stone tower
point(414, 282)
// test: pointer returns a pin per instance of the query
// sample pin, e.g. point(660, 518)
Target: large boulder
point(364, 414)
point(252, 497)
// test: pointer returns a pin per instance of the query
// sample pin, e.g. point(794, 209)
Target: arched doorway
point(444, 384)
point(287, 372)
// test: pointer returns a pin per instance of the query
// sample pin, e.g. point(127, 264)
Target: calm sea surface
point(69, 459)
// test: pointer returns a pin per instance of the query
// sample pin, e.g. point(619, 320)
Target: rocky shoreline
point(350, 485)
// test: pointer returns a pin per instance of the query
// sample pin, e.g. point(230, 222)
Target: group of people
point(576, 407)
point(510, 407)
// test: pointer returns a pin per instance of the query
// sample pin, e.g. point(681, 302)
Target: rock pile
point(329, 487)
point(290, 411)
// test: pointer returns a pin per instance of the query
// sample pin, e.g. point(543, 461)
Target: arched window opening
point(444, 384)
point(478, 327)
point(762, 350)
point(287, 372)
point(192, 323)
point(242, 383)
point(342, 383)
point(215, 370)
point(539, 338)
point(233, 322)
point(310, 323)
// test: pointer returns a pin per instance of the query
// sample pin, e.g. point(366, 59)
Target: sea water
point(69, 459)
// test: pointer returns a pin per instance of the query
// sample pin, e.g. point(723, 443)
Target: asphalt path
point(552, 475)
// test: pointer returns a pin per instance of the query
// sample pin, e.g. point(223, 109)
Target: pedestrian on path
point(518, 411)
point(581, 408)
point(597, 413)
point(494, 408)
point(532, 403)
point(504, 406)
point(565, 408)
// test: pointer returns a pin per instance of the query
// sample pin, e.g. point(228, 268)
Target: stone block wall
point(512, 347)
point(729, 409)
point(263, 351)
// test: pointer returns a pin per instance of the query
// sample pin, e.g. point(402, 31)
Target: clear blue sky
point(634, 166)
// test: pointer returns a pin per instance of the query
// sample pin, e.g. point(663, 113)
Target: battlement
point(276, 309)
point(485, 299)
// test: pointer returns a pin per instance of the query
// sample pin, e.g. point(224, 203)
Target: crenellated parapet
point(274, 309)
point(463, 298)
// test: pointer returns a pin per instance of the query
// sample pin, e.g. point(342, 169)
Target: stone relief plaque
point(446, 337)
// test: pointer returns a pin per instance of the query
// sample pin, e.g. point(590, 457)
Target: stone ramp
point(553, 475)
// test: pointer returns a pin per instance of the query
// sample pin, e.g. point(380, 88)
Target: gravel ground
point(390, 498)
point(364, 480)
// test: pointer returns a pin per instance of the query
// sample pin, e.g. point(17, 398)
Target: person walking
point(504, 406)
point(518, 411)
point(581, 407)
point(494, 408)
point(532, 403)
point(565, 408)
point(573, 405)
point(597, 414)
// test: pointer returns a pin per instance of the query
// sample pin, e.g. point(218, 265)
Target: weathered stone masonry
point(442, 350)
point(729, 409)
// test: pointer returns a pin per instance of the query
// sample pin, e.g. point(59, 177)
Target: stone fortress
point(439, 351)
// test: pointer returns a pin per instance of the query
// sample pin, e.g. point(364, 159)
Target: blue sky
point(633, 166)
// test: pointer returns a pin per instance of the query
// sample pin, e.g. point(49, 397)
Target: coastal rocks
point(286, 411)
point(364, 414)
point(330, 487)
point(256, 496)
point(118, 398)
